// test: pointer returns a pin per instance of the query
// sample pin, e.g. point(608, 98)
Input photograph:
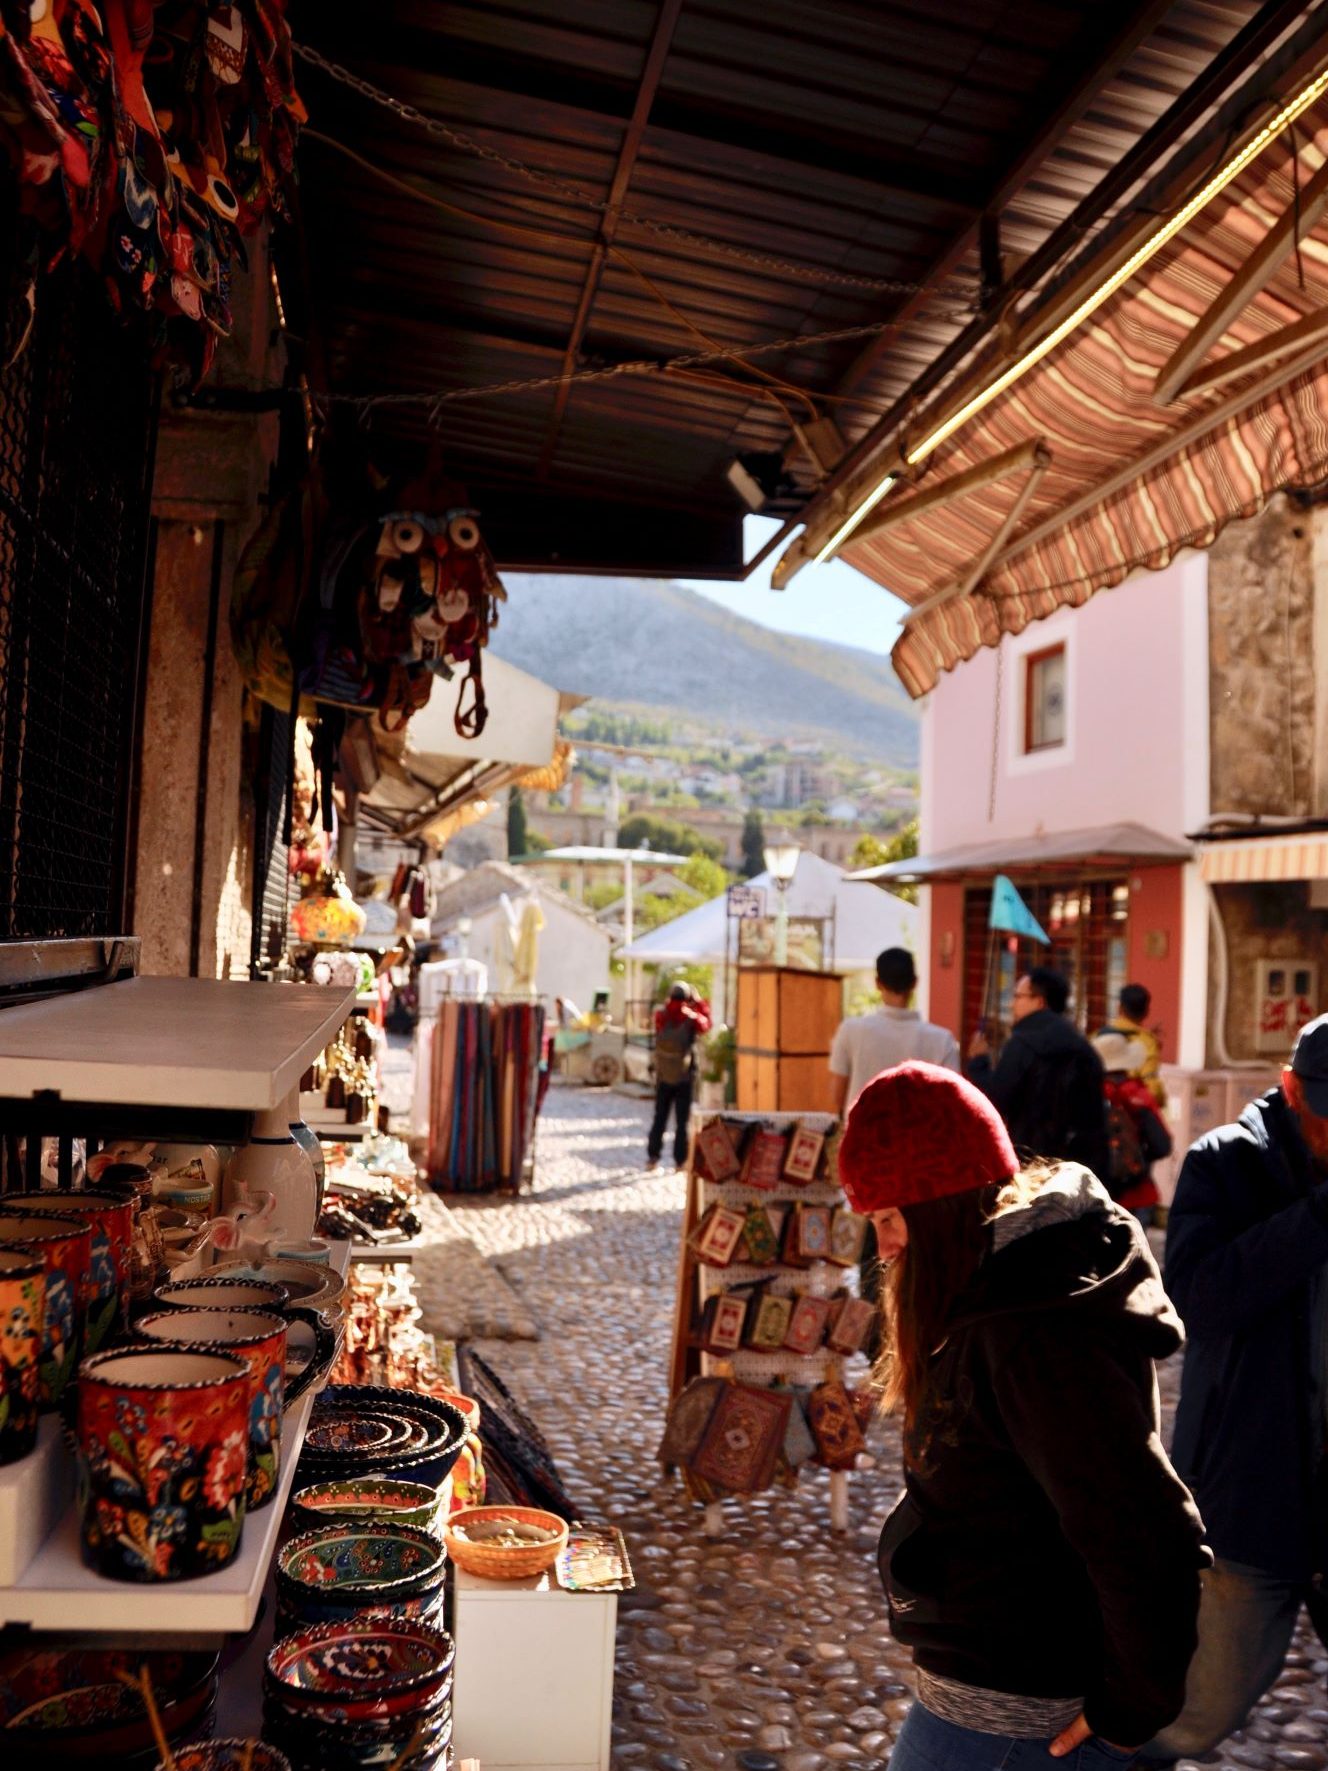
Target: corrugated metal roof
point(851, 138)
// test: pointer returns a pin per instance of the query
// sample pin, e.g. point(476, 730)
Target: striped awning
point(1130, 481)
point(1256, 860)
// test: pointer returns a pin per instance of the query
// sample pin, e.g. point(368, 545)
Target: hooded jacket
point(1247, 1245)
point(1044, 1545)
point(1048, 1088)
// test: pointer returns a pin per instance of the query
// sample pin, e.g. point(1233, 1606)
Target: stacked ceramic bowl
point(340, 1571)
point(66, 1707)
point(363, 1430)
point(361, 1696)
point(368, 1500)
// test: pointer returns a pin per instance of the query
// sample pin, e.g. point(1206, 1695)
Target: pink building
point(1075, 760)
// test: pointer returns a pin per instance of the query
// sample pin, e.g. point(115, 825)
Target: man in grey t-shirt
point(891, 1034)
point(868, 1044)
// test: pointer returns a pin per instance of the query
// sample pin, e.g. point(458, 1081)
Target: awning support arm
point(942, 492)
point(1295, 221)
point(1172, 444)
point(1234, 365)
point(977, 571)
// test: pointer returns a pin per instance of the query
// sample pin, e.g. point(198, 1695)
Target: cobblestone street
point(766, 1649)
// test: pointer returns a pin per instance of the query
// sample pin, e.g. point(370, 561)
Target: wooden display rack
point(696, 1282)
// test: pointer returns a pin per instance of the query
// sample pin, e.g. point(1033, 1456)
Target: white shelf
point(58, 1591)
point(170, 1042)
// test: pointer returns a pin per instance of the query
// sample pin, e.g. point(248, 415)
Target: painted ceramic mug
point(110, 1215)
point(22, 1296)
point(206, 1291)
point(163, 1451)
point(64, 1244)
point(260, 1340)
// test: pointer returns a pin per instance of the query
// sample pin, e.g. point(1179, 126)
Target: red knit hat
point(919, 1132)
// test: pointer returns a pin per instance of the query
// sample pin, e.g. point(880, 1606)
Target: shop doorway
point(1088, 921)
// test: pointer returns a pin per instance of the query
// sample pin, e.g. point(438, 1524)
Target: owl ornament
point(434, 601)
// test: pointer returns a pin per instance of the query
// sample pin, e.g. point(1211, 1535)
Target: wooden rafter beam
point(665, 23)
point(1020, 459)
point(1106, 46)
point(1296, 220)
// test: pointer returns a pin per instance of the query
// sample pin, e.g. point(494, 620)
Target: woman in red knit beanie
point(1043, 1561)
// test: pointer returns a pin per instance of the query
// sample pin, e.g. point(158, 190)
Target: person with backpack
point(1043, 1563)
point(1048, 1084)
point(1137, 1136)
point(679, 1023)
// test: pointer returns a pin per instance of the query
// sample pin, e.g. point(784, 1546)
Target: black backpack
point(673, 1050)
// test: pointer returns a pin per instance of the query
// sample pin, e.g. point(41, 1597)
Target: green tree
point(517, 833)
point(879, 851)
point(753, 844)
point(704, 876)
point(667, 835)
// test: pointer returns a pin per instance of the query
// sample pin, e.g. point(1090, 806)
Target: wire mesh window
point(76, 425)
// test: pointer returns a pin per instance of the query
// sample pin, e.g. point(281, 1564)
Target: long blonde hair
point(948, 1239)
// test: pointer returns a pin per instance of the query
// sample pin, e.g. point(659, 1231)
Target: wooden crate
point(786, 1022)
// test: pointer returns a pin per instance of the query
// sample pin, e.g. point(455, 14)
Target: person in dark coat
point(1247, 1263)
point(1043, 1561)
point(1048, 1082)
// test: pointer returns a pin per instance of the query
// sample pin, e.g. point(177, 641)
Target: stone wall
point(1261, 664)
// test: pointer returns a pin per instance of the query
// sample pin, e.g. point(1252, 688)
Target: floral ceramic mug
point(22, 1295)
point(64, 1244)
point(260, 1340)
point(110, 1215)
point(163, 1451)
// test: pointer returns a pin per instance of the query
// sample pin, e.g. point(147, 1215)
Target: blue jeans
point(926, 1743)
point(1246, 1620)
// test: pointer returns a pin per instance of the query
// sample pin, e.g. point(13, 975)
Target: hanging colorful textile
point(484, 1094)
point(148, 138)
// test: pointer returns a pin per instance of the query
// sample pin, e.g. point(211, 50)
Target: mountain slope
point(652, 643)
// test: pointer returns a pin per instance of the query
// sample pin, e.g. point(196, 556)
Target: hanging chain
point(642, 366)
point(547, 181)
point(996, 730)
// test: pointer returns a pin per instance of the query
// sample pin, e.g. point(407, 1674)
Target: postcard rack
point(700, 1282)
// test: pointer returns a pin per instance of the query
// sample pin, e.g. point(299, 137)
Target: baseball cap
point(1309, 1061)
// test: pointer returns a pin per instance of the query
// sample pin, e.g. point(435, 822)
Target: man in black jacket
point(1048, 1085)
point(1247, 1266)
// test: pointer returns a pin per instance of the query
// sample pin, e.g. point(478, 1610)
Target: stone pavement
point(767, 1649)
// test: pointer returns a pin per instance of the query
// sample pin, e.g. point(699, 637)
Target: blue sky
point(830, 602)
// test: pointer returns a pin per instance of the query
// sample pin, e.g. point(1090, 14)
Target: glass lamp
point(781, 860)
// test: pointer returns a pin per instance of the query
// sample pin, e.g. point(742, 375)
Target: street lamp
point(781, 863)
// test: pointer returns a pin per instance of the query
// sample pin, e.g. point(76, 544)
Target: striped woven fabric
point(1091, 401)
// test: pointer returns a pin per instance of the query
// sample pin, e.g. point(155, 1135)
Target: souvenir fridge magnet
point(804, 1154)
point(763, 1163)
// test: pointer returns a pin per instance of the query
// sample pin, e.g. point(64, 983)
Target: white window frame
point(1040, 636)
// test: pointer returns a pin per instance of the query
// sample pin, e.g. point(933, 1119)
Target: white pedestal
point(534, 1675)
point(33, 1494)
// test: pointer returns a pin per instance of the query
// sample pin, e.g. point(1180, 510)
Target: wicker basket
point(505, 1562)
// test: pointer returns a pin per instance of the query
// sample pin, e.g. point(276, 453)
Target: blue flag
point(1009, 912)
